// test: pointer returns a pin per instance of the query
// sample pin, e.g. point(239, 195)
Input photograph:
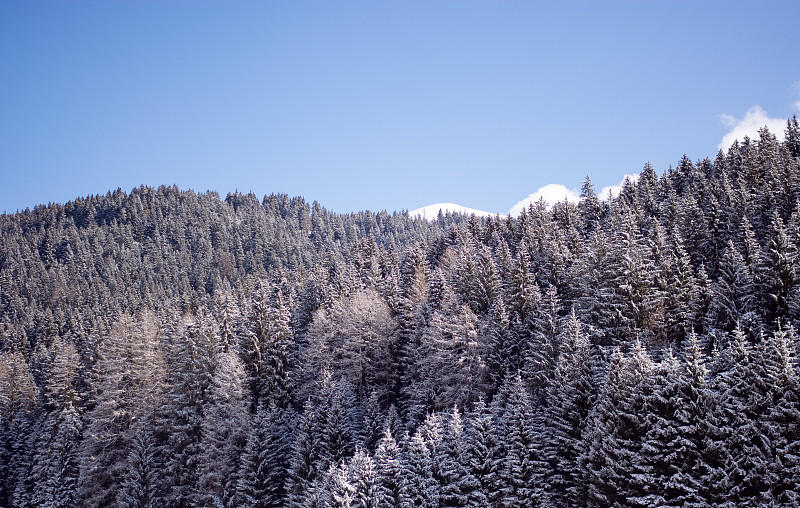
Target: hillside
point(167, 348)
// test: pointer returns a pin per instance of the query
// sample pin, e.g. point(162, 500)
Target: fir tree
point(389, 472)
point(224, 431)
point(141, 481)
point(523, 486)
point(192, 358)
point(570, 397)
point(420, 488)
point(268, 350)
point(484, 457)
point(54, 472)
point(131, 382)
point(261, 476)
point(304, 458)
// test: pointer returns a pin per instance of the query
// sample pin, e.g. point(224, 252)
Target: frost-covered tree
point(304, 458)
point(54, 472)
point(261, 478)
point(570, 398)
point(141, 482)
point(456, 481)
point(449, 363)
point(353, 483)
point(779, 262)
point(191, 360)
point(389, 472)
point(613, 438)
point(420, 488)
point(268, 349)
point(669, 465)
point(352, 339)
point(523, 485)
point(741, 453)
point(130, 385)
point(224, 431)
point(54, 464)
point(732, 293)
point(484, 457)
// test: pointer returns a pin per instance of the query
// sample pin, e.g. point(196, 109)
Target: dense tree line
point(167, 348)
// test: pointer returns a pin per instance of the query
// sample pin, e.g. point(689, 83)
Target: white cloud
point(556, 193)
point(551, 193)
point(615, 189)
point(753, 120)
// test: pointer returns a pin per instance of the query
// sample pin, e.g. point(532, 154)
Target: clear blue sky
point(377, 104)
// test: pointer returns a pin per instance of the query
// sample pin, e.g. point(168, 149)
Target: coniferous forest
point(168, 348)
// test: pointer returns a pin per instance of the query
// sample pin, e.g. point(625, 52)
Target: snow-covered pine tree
point(668, 467)
point(484, 457)
point(54, 469)
point(456, 482)
point(304, 457)
point(130, 385)
point(389, 472)
point(54, 472)
point(782, 419)
point(523, 484)
point(192, 356)
point(570, 398)
point(739, 456)
point(141, 482)
point(268, 349)
point(224, 431)
point(261, 478)
point(353, 483)
point(541, 352)
point(420, 488)
point(779, 275)
point(615, 429)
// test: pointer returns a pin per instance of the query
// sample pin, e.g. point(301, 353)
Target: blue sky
point(378, 104)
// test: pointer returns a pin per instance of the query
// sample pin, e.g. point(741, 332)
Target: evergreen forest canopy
point(167, 348)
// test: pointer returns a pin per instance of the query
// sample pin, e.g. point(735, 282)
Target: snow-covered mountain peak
point(432, 211)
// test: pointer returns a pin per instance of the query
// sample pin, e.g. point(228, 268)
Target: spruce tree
point(613, 437)
point(570, 399)
point(191, 360)
point(456, 481)
point(267, 349)
point(141, 483)
point(741, 456)
point(389, 472)
point(54, 472)
point(130, 385)
point(260, 480)
point(420, 488)
point(304, 458)
point(782, 418)
point(484, 456)
point(523, 486)
point(224, 431)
